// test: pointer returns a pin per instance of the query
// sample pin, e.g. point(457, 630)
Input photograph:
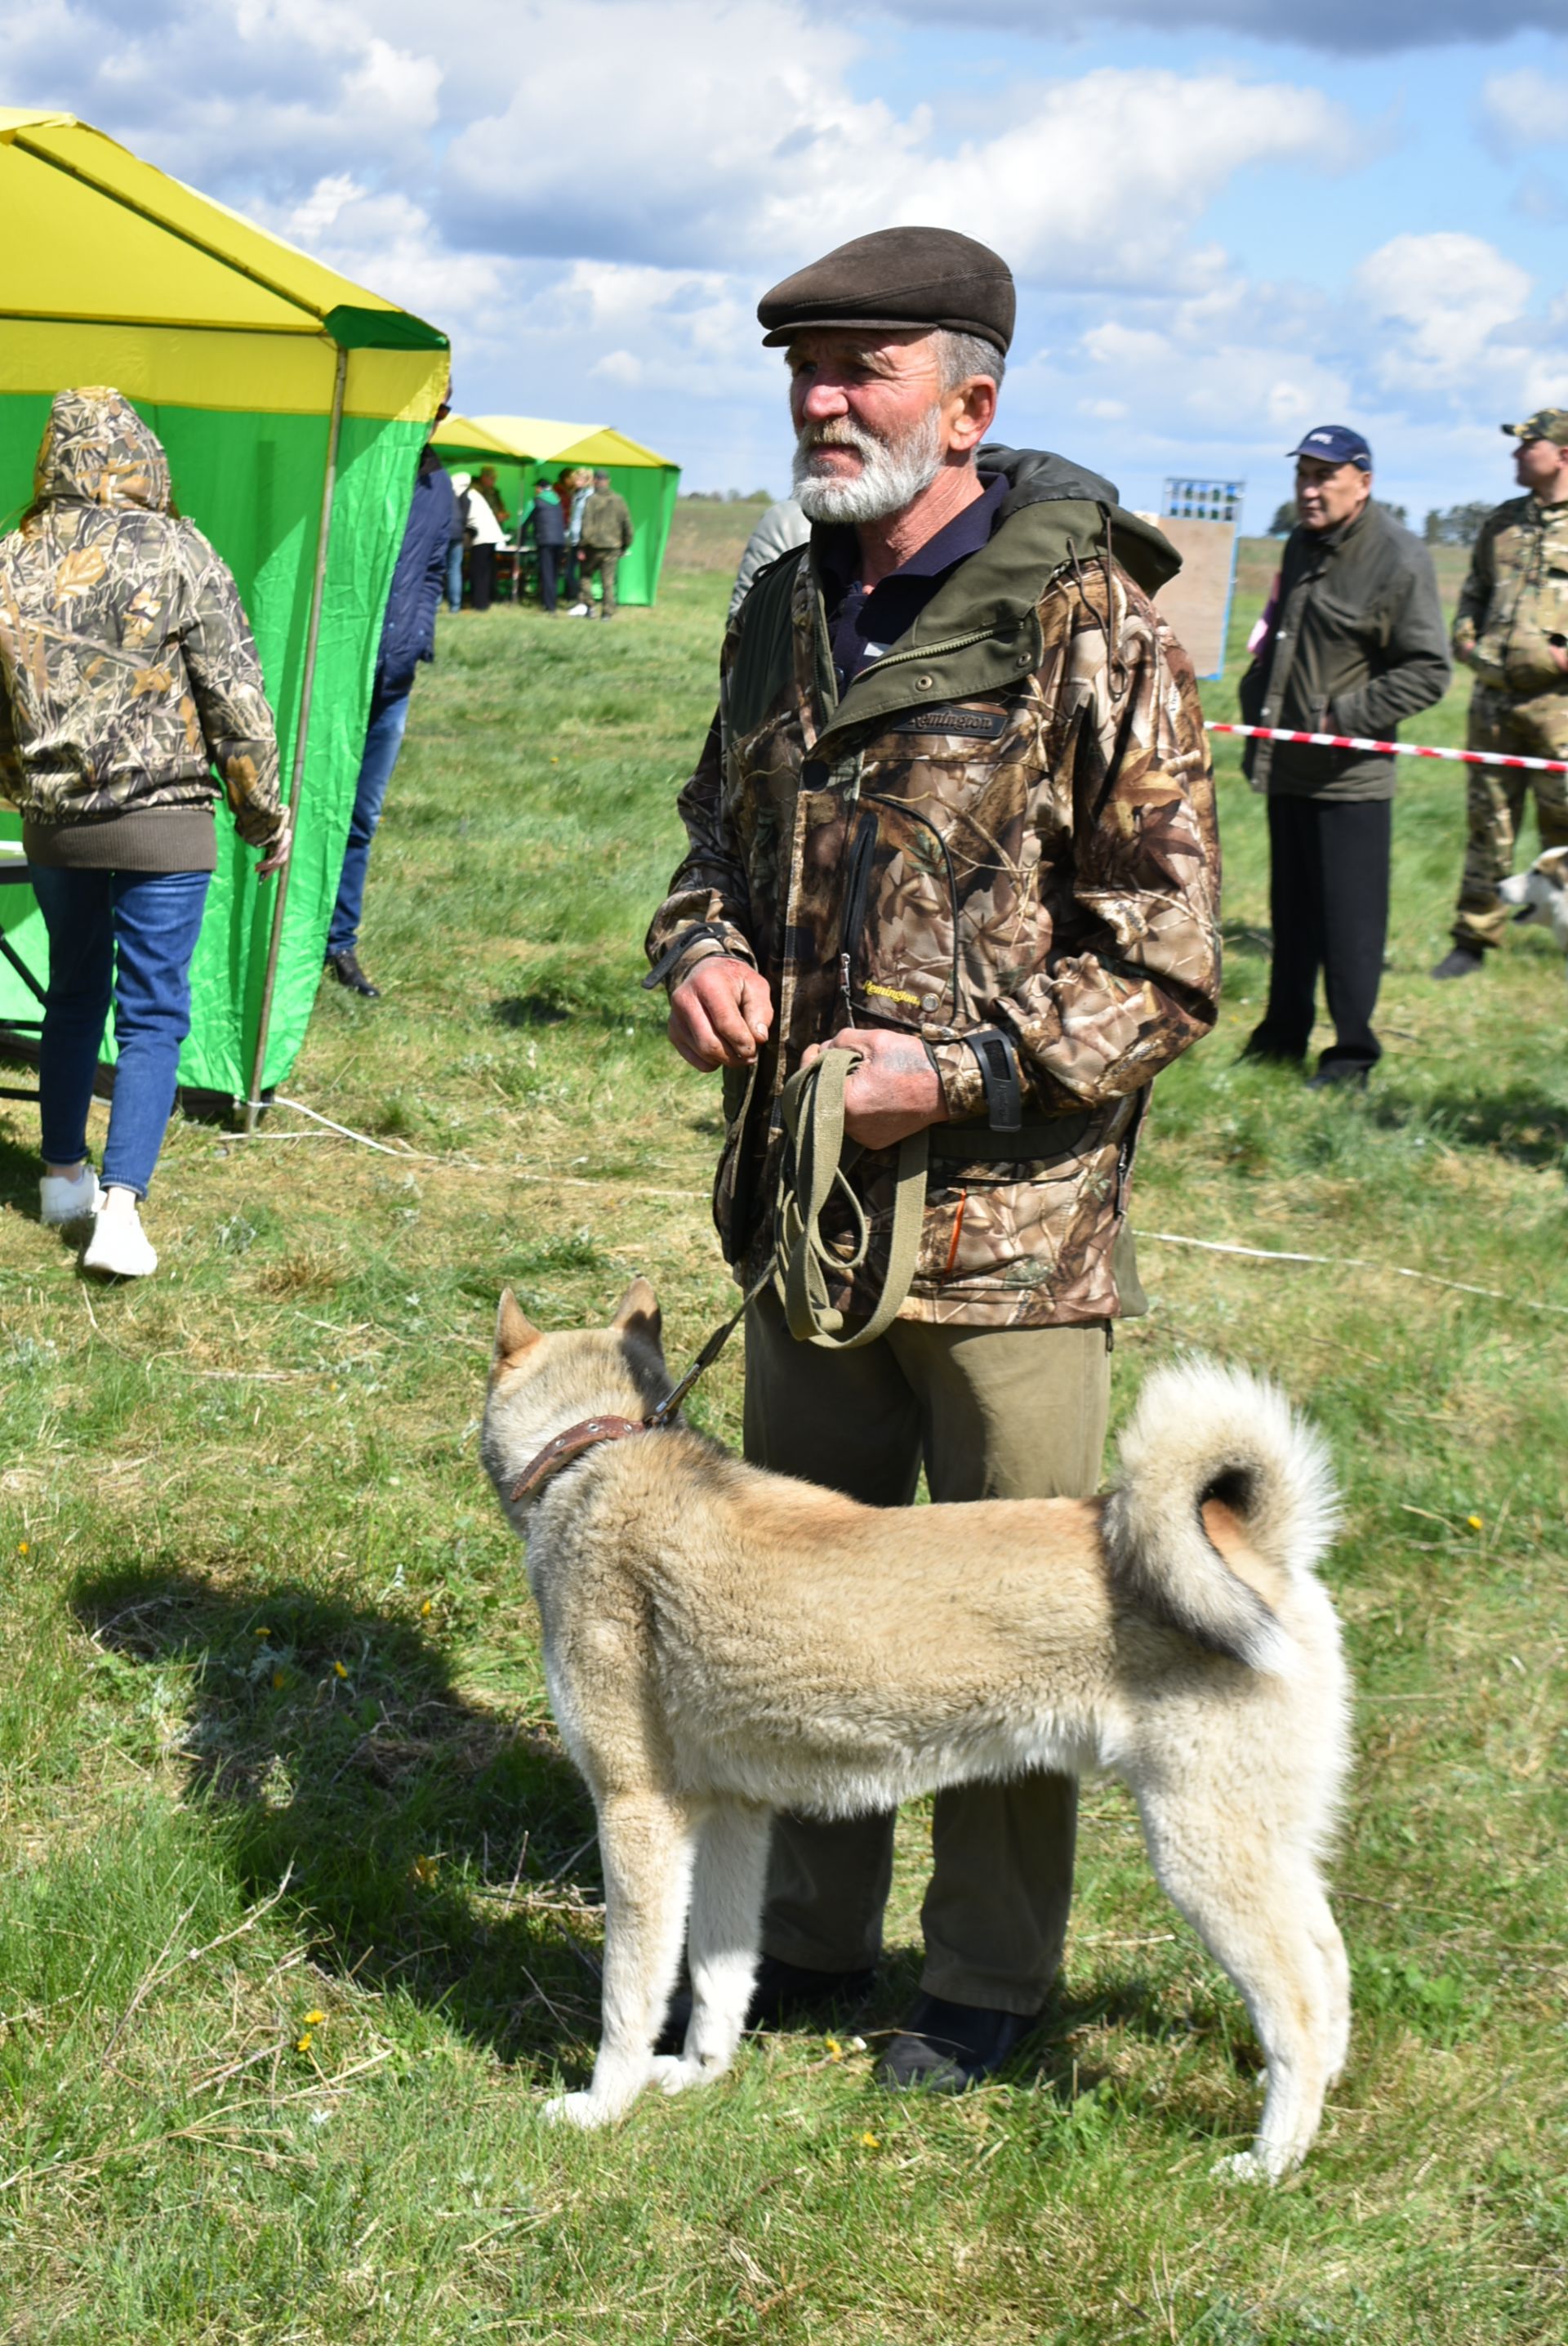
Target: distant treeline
point(727, 497)
point(1454, 525)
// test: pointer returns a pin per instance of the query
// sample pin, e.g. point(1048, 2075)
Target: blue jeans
point(389, 717)
point(126, 937)
point(454, 575)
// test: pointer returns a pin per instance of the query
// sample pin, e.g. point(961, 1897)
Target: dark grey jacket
point(1356, 643)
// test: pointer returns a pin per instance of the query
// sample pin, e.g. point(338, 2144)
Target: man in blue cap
point(1354, 642)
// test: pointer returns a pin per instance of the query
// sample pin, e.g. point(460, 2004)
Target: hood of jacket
point(97, 451)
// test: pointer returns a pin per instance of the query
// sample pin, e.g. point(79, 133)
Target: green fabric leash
point(817, 1161)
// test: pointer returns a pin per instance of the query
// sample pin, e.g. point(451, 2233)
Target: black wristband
point(998, 1062)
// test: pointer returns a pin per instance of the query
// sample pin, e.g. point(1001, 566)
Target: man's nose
point(823, 399)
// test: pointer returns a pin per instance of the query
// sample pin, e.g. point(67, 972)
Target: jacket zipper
point(856, 889)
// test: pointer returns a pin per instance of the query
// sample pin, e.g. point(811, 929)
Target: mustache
point(837, 433)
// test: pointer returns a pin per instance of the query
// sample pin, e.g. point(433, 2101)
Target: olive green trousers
point(992, 1413)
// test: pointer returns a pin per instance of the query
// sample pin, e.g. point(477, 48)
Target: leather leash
point(815, 1163)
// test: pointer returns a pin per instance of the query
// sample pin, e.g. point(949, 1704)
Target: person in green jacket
point(1511, 628)
point(1354, 641)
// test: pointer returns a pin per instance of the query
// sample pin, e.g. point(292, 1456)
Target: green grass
point(274, 1739)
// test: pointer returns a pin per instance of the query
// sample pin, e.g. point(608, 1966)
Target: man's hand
point(894, 1091)
point(720, 1014)
point(277, 854)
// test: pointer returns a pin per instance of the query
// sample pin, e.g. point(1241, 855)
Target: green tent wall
point(245, 411)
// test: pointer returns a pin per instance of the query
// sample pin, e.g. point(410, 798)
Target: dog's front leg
point(646, 1847)
point(722, 1937)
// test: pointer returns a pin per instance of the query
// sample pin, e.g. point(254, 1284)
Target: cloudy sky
point(1223, 233)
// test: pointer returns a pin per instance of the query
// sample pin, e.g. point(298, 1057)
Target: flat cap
point(1547, 424)
point(908, 278)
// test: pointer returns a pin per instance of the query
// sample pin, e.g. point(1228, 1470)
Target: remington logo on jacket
point(1006, 821)
point(127, 670)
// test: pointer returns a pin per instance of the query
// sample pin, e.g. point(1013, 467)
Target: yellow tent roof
point(579, 444)
point(167, 290)
point(462, 435)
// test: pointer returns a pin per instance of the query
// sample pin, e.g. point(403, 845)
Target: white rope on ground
point(1348, 1262)
point(1391, 748)
point(1145, 1238)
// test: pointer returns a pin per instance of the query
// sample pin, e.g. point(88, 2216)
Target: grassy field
point(298, 1901)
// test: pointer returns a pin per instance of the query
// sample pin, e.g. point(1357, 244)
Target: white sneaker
point(578, 611)
point(62, 1202)
point(119, 1246)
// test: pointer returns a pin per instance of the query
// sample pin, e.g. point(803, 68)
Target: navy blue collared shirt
point(861, 627)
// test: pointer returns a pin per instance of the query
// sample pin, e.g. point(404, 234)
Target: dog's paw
point(578, 2110)
point(673, 2072)
point(1250, 2166)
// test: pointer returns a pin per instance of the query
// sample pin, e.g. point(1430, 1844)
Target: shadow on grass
point(431, 1848)
point(1245, 944)
point(1521, 1123)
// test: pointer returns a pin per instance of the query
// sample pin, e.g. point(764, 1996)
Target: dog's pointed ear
point(516, 1333)
point(637, 1312)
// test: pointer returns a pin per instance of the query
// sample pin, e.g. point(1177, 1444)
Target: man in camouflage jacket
point(956, 813)
point(1511, 628)
point(128, 671)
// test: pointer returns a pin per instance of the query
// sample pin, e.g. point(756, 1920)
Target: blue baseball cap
point(1335, 444)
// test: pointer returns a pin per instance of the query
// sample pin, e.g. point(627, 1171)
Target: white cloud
point(1524, 109)
point(1441, 302)
point(1098, 179)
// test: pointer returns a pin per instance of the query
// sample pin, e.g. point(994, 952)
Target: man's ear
point(637, 1312)
point(516, 1333)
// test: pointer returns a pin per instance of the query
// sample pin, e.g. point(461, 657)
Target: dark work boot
point(945, 2048)
point(345, 968)
point(782, 1992)
point(1462, 961)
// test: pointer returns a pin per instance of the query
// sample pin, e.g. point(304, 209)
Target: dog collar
point(566, 1447)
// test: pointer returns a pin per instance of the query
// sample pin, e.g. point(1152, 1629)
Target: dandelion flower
point(872, 2141)
point(261, 1633)
point(276, 1681)
point(1472, 1522)
point(314, 2019)
point(835, 2050)
point(339, 1671)
point(426, 1609)
point(21, 1548)
point(303, 2043)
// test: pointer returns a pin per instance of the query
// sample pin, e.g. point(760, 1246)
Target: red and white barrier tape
point(1392, 748)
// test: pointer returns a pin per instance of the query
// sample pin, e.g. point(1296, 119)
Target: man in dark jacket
point(548, 525)
point(1355, 641)
point(408, 637)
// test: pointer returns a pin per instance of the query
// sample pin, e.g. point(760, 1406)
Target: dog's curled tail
point(1201, 1431)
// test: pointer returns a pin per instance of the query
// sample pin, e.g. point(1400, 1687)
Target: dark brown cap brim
point(782, 336)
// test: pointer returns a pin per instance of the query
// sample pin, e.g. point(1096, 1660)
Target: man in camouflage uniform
point(1511, 628)
point(956, 814)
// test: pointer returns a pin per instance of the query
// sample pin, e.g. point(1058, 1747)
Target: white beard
point(890, 476)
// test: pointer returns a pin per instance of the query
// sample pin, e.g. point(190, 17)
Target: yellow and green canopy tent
point(293, 406)
point(522, 447)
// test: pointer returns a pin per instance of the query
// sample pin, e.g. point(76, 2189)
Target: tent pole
point(323, 537)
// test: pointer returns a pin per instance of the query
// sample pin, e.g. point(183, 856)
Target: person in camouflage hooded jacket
point(1006, 823)
point(955, 814)
point(128, 671)
point(128, 675)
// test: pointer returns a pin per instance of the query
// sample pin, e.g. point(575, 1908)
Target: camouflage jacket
point(126, 668)
point(1514, 597)
point(1006, 823)
point(606, 523)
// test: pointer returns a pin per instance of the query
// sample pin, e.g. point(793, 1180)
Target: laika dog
point(1541, 893)
point(720, 1642)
